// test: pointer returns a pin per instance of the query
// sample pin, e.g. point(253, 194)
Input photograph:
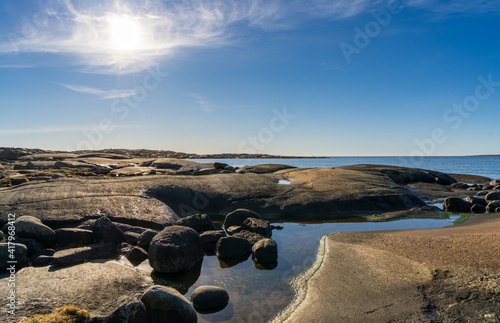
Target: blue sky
point(291, 77)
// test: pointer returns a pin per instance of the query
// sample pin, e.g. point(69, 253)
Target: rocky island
point(103, 230)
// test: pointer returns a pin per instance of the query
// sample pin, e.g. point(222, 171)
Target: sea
point(488, 166)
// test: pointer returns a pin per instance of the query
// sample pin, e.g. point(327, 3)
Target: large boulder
point(209, 298)
point(175, 249)
point(34, 247)
point(70, 238)
point(130, 313)
point(144, 240)
point(492, 206)
point(165, 304)
point(258, 226)
point(30, 227)
point(476, 200)
point(209, 240)
point(265, 251)
point(455, 204)
point(197, 222)
point(16, 252)
point(238, 217)
point(107, 231)
point(493, 196)
point(74, 256)
point(233, 248)
point(478, 209)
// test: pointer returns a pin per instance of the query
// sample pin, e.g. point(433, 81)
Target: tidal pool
point(258, 295)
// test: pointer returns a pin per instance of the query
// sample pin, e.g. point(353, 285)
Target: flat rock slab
point(382, 276)
point(99, 288)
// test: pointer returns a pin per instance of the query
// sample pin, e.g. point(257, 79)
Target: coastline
point(399, 275)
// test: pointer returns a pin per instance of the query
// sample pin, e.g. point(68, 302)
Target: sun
point(125, 33)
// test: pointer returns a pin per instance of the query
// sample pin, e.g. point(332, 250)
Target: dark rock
point(33, 246)
point(265, 251)
point(128, 313)
point(17, 253)
point(251, 237)
point(13, 153)
point(209, 240)
point(230, 169)
point(497, 210)
point(44, 252)
point(476, 200)
point(258, 226)
point(42, 261)
point(145, 238)
point(73, 256)
point(220, 166)
point(496, 188)
point(132, 228)
point(198, 222)
point(131, 237)
point(482, 193)
point(478, 209)
point(165, 304)
point(137, 255)
point(493, 196)
point(175, 249)
point(1, 236)
point(230, 247)
point(455, 204)
point(264, 168)
point(31, 227)
point(460, 185)
point(71, 238)
point(107, 231)
point(492, 206)
point(474, 189)
point(206, 171)
point(123, 248)
point(488, 187)
point(234, 229)
point(237, 217)
point(209, 297)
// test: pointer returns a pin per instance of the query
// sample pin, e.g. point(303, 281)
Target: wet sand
point(441, 275)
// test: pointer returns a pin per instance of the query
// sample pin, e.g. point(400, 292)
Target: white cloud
point(16, 66)
point(110, 94)
point(56, 129)
point(203, 102)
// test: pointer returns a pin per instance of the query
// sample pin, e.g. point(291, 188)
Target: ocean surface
point(488, 166)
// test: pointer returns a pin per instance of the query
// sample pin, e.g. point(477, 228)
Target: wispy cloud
point(120, 36)
point(110, 94)
point(61, 129)
point(203, 102)
point(16, 66)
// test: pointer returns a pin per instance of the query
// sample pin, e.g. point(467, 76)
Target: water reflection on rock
point(180, 281)
point(231, 262)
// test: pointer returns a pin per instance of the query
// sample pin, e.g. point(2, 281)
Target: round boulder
point(478, 209)
point(455, 204)
point(492, 207)
point(175, 249)
point(165, 304)
point(210, 238)
point(209, 298)
point(476, 200)
point(265, 251)
point(30, 227)
point(69, 238)
point(106, 231)
point(258, 226)
point(493, 196)
point(237, 217)
point(15, 253)
point(198, 222)
point(136, 255)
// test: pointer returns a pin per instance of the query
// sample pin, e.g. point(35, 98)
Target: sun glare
point(125, 33)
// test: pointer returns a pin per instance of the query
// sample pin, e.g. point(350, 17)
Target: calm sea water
point(488, 166)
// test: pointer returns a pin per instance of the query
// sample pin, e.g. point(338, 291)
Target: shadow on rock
point(180, 281)
point(223, 314)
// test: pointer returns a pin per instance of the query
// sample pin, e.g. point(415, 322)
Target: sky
point(289, 77)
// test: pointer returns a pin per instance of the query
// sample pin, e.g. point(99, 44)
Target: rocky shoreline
point(74, 210)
